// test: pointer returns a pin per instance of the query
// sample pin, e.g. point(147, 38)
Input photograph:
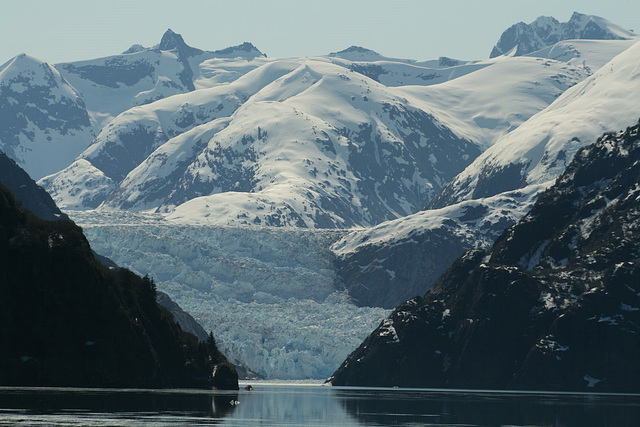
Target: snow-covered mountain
point(341, 158)
point(401, 72)
point(499, 96)
point(313, 144)
point(538, 151)
point(44, 122)
point(522, 38)
point(486, 99)
point(402, 258)
point(142, 75)
point(591, 55)
point(50, 114)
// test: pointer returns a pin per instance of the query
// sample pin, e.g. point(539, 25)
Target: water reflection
point(403, 407)
point(223, 404)
point(278, 405)
point(296, 405)
point(120, 404)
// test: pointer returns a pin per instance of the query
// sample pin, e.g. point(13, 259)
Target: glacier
point(269, 294)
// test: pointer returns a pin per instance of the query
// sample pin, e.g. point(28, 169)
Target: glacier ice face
point(268, 294)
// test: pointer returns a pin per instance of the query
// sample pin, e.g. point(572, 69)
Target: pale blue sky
point(68, 30)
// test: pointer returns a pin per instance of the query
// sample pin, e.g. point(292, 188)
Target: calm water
point(276, 405)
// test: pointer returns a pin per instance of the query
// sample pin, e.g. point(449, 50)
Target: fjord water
point(312, 405)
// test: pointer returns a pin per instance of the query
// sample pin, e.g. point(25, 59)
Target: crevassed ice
point(268, 294)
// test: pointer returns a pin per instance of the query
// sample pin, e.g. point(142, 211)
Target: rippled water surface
point(312, 405)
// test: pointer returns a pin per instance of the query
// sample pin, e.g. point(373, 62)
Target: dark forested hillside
point(30, 195)
point(555, 305)
point(67, 320)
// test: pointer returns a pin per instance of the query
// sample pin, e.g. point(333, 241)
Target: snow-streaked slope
point(80, 185)
point(142, 75)
point(402, 72)
point(499, 97)
point(588, 54)
point(135, 134)
point(553, 305)
point(320, 147)
point(596, 27)
point(268, 293)
point(387, 264)
point(44, 123)
point(114, 84)
point(539, 150)
point(394, 74)
point(313, 144)
point(402, 258)
point(217, 71)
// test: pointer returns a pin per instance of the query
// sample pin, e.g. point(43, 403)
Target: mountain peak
point(171, 40)
point(246, 49)
point(546, 31)
point(174, 41)
point(134, 49)
point(357, 49)
point(577, 16)
point(22, 60)
point(25, 69)
point(357, 53)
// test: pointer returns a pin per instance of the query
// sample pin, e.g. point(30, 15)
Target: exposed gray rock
point(555, 305)
point(546, 31)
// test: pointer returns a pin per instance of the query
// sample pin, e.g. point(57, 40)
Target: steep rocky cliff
point(555, 305)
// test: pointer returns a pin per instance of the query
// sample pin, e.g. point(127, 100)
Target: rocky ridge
point(554, 305)
point(521, 38)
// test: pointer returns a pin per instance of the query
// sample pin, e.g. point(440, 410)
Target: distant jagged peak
point(134, 49)
point(445, 62)
point(245, 49)
point(171, 40)
point(357, 53)
point(588, 23)
point(596, 28)
point(358, 49)
point(546, 31)
point(174, 41)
